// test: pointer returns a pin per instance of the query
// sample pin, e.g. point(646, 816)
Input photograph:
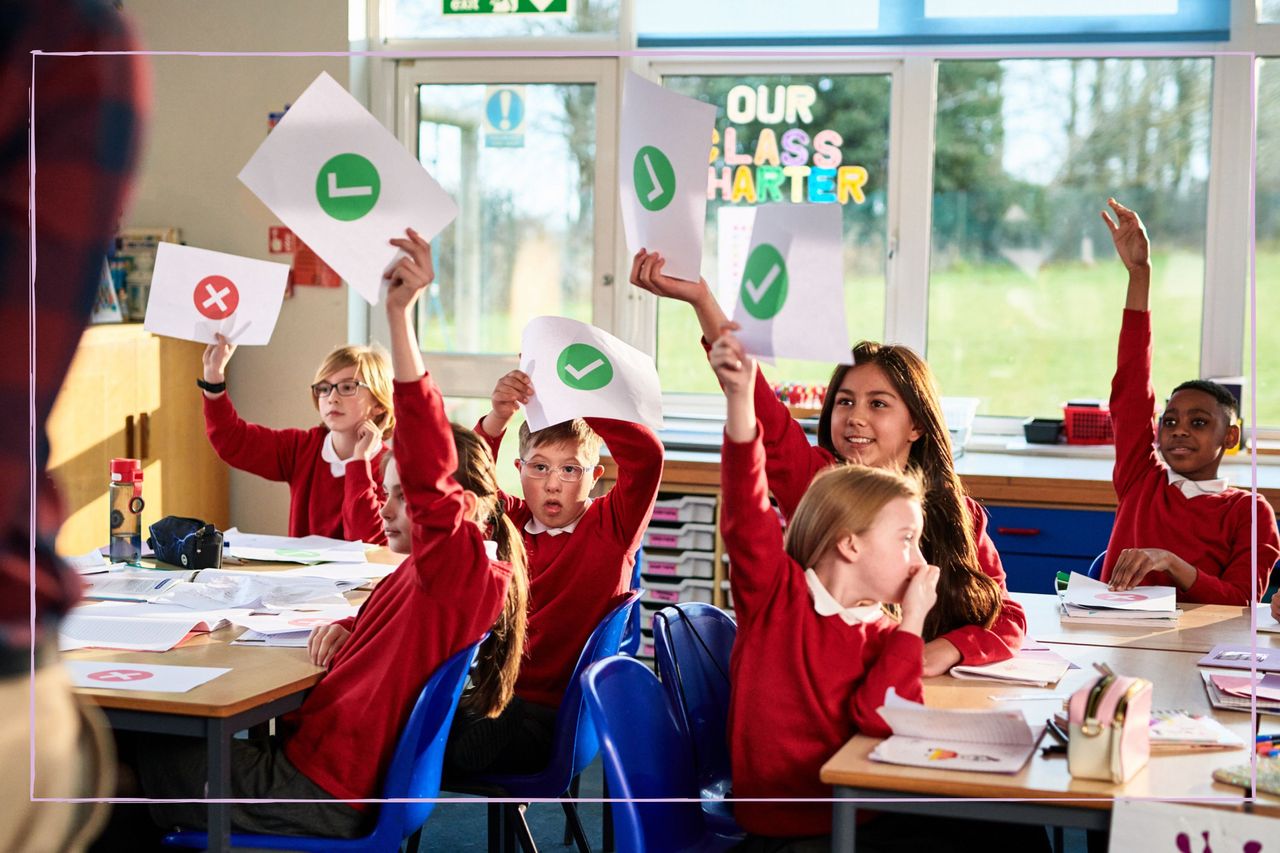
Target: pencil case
point(187, 542)
point(1109, 724)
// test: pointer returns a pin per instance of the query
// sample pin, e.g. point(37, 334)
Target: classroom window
point(425, 19)
point(846, 124)
point(523, 241)
point(467, 411)
point(1025, 290)
point(1268, 243)
point(1269, 11)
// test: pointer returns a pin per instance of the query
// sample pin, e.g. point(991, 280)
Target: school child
point(443, 597)
point(817, 650)
point(581, 555)
point(1177, 523)
point(329, 468)
point(883, 411)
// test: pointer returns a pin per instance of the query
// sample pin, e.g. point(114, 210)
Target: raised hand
point(646, 274)
point(512, 391)
point(733, 367)
point(411, 275)
point(922, 592)
point(215, 360)
point(1129, 235)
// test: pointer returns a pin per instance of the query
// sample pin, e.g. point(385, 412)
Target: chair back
point(646, 755)
point(691, 646)
point(632, 635)
point(1095, 568)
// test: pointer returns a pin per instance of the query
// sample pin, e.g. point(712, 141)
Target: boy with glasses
point(333, 490)
point(581, 553)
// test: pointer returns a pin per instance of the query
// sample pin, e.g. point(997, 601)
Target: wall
point(209, 115)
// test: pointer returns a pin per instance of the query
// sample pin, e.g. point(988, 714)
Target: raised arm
point(638, 454)
point(646, 274)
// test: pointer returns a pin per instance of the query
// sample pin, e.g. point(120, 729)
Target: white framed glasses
point(541, 471)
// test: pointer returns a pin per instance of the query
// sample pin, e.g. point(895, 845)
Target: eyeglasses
point(541, 471)
point(345, 388)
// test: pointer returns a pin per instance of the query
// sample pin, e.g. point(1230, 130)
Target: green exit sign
point(506, 7)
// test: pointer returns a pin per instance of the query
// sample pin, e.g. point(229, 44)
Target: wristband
point(212, 387)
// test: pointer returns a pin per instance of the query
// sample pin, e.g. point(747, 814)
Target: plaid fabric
point(88, 116)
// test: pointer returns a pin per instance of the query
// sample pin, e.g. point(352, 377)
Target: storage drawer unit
point(1036, 543)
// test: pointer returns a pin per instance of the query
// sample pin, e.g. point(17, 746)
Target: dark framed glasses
point(345, 388)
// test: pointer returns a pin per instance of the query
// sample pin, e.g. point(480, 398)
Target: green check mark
point(347, 187)
point(655, 179)
point(764, 282)
point(584, 368)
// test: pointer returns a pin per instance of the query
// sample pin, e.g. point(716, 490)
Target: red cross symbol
point(309, 622)
point(216, 297)
point(1122, 596)
point(120, 675)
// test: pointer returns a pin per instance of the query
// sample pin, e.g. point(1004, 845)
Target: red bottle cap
point(126, 471)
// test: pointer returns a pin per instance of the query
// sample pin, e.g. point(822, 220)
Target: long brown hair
point(493, 681)
point(966, 594)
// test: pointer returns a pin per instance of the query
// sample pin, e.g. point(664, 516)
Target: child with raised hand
point(581, 555)
point(883, 412)
point(1177, 523)
point(451, 589)
point(329, 468)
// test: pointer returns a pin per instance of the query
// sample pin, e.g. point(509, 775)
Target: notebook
point(1034, 667)
point(1220, 698)
point(989, 741)
point(1179, 731)
point(1242, 656)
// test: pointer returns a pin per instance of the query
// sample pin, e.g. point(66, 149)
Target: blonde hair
point(373, 368)
point(575, 432)
point(842, 500)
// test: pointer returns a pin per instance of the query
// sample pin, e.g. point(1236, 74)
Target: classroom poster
point(345, 185)
point(663, 150)
point(791, 294)
point(580, 371)
point(197, 294)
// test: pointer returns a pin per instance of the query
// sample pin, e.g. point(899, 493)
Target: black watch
point(211, 387)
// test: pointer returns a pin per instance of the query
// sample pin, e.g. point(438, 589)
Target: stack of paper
point(291, 549)
point(1092, 601)
point(136, 585)
point(84, 630)
point(1178, 731)
point(1037, 667)
point(1238, 692)
point(986, 740)
point(288, 628)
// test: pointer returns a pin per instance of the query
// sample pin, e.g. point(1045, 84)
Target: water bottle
point(126, 510)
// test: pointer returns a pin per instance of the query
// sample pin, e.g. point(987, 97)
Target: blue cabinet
point(1035, 544)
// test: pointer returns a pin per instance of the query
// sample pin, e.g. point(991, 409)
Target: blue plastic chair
point(575, 745)
point(414, 773)
point(631, 636)
point(647, 755)
point(691, 646)
point(1095, 568)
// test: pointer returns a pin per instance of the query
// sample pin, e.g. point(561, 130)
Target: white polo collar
point(826, 605)
point(491, 549)
point(337, 466)
point(1196, 488)
point(534, 527)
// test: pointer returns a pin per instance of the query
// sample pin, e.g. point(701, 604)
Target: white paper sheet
point(663, 150)
point(293, 621)
point(939, 754)
point(342, 571)
point(92, 563)
point(294, 640)
point(580, 371)
point(156, 678)
point(292, 549)
point(221, 588)
point(196, 294)
point(83, 631)
point(1267, 622)
point(1039, 668)
point(345, 185)
point(791, 295)
point(1084, 591)
point(126, 588)
point(973, 726)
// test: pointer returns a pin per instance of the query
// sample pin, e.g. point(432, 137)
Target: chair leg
point(497, 828)
point(574, 787)
point(414, 841)
point(520, 825)
point(1059, 842)
point(606, 816)
point(579, 834)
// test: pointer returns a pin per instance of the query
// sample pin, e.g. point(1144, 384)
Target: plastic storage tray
point(664, 593)
point(696, 508)
point(690, 564)
point(699, 537)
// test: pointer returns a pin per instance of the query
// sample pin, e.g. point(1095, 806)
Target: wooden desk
point(263, 684)
point(1043, 792)
point(1201, 627)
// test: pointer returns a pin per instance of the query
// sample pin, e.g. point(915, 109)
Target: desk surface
point(1176, 776)
point(1201, 627)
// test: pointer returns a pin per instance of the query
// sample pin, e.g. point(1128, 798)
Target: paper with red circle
point(129, 675)
point(197, 294)
point(117, 675)
point(216, 297)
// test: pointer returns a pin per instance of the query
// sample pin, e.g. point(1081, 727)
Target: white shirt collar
point(534, 527)
point(826, 605)
point(491, 549)
point(337, 467)
point(1196, 488)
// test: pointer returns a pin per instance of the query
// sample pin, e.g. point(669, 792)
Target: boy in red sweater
point(1177, 523)
point(329, 468)
point(581, 554)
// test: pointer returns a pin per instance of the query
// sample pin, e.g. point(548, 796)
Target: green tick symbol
point(584, 368)
point(347, 187)
point(296, 554)
point(655, 179)
point(764, 282)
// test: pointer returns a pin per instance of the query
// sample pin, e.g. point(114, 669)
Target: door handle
point(1018, 531)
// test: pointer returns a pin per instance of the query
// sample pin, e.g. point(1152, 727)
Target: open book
point(81, 630)
point(987, 740)
point(1034, 667)
point(1092, 601)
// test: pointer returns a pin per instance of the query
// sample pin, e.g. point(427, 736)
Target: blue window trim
point(902, 22)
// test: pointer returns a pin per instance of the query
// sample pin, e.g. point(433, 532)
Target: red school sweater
point(343, 507)
point(801, 684)
point(576, 578)
point(442, 598)
point(792, 463)
point(1214, 533)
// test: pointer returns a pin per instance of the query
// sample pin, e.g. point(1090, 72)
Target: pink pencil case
point(1109, 724)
